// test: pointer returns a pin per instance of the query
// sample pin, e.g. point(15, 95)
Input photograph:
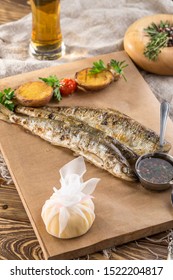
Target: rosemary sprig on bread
point(160, 36)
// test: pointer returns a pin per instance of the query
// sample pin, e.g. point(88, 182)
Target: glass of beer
point(46, 39)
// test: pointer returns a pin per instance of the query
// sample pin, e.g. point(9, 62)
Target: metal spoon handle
point(164, 110)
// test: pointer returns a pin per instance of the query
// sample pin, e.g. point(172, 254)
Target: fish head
point(124, 171)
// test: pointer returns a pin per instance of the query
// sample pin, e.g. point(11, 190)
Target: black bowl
point(148, 184)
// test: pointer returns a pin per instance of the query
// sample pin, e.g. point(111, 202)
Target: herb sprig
point(55, 84)
point(6, 97)
point(98, 66)
point(161, 36)
point(117, 67)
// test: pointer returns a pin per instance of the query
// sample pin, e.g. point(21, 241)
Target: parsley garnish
point(55, 84)
point(98, 67)
point(6, 97)
point(118, 67)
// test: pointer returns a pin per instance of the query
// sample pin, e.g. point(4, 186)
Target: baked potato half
point(93, 82)
point(34, 94)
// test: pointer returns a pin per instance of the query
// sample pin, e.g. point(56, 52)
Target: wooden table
point(17, 238)
point(12, 10)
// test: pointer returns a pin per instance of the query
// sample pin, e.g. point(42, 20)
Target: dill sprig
point(161, 36)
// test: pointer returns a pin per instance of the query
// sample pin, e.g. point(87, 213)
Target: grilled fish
point(93, 144)
point(129, 132)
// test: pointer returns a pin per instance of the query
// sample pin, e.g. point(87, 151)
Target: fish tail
point(6, 112)
point(3, 118)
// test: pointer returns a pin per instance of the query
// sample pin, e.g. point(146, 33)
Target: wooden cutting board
point(124, 211)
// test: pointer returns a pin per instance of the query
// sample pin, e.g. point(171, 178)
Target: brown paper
point(124, 211)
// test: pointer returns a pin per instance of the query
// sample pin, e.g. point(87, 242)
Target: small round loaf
point(33, 94)
point(136, 39)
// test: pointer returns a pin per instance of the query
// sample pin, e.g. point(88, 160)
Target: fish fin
point(5, 111)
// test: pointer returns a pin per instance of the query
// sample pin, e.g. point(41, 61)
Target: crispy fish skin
point(119, 126)
point(130, 156)
point(80, 138)
point(131, 133)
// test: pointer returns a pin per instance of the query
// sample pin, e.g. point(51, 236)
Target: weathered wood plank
point(10, 204)
point(10, 10)
point(143, 249)
point(18, 241)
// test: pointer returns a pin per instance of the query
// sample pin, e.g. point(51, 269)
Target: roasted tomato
point(67, 86)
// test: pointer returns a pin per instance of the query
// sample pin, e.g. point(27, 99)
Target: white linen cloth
point(89, 28)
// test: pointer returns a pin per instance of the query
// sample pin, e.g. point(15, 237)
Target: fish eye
point(125, 169)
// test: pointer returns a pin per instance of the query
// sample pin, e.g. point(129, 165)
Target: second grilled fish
point(129, 132)
point(93, 144)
